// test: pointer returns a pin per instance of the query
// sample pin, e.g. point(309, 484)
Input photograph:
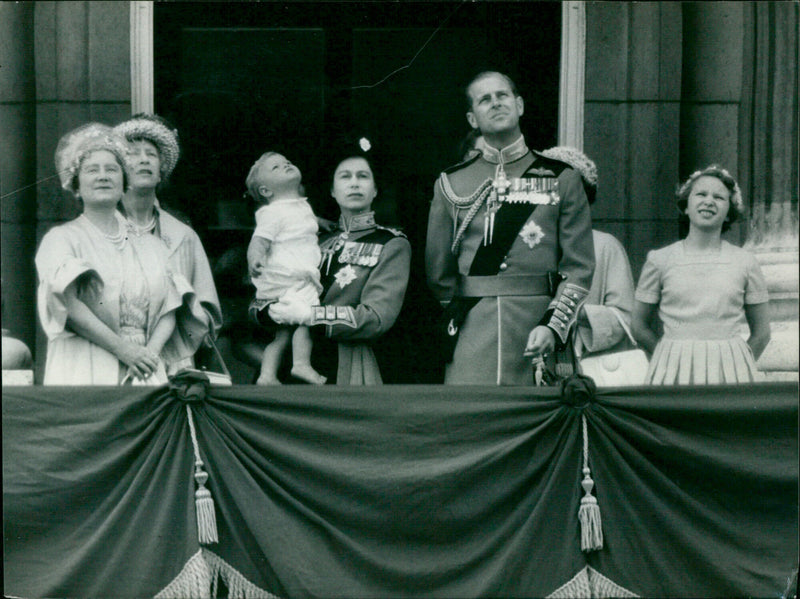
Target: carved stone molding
point(571, 84)
point(142, 86)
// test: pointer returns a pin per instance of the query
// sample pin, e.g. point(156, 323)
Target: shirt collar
point(510, 153)
point(359, 222)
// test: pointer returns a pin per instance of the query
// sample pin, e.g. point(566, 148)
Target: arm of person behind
point(757, 316)
point(141, 361)
point(598, 325)
point(643, 325)
point(441, 265)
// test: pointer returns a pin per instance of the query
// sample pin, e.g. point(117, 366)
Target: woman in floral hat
point(107, 305)
point(152, 156)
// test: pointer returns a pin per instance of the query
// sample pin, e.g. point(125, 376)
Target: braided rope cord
point(474, 201)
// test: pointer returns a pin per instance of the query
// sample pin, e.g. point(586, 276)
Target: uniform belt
point(504, 285)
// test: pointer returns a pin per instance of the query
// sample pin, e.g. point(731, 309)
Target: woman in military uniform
point(364, 272)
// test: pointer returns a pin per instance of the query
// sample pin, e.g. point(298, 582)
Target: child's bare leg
point(301, 358)
point(271, 358)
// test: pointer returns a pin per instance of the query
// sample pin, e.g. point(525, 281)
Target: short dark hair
point(483, 75)
point(736, 207)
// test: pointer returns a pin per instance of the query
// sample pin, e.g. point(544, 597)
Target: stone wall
point(18, 169)
point(669, 90)
point(64, 63)
point(633, 94)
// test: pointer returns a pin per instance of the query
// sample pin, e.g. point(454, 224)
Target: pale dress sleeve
point(203, 283)
point(58, 267)
point(170, 291)
point(756, 291)
point(650, 281)
point(604, 330)
point(190, 322)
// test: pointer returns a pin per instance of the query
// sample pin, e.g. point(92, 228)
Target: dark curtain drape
point(768, 120)
point(402, 491)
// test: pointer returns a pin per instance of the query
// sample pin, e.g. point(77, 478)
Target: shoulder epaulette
point(544, 166)
point(460, 165)
point(393, 231)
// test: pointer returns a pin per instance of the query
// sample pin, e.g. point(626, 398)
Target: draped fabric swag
point(400, 491)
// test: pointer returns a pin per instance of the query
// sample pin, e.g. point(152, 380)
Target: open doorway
point(238, 78)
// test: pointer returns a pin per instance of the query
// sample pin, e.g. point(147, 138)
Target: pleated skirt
point(702, 362)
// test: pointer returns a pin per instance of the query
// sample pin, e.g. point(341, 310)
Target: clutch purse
point(214, 377)
point(615, 369)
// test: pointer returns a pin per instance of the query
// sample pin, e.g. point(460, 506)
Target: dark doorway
point(238, 78)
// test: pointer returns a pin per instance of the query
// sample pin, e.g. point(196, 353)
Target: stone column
point(18, 169)
point(768, 138)
point(633, 86)
point(83, 73)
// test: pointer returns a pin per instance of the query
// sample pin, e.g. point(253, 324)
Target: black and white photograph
point(429, 298)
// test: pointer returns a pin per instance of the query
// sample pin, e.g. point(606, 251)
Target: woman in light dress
point(704, 290)
point(153, 152)
point(106, 305)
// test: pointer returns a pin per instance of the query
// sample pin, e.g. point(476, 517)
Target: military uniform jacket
point(364, 272)
point(554, 238)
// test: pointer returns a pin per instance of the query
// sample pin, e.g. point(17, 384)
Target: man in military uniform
point(509, 246)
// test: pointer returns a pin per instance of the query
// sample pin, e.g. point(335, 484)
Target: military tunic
point(364, 272)
point(555, 238)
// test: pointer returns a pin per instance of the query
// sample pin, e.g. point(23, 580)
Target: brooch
point(345, 276)
point(531, 234)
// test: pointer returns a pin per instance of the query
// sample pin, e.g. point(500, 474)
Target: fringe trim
point(590, 584)
point(199, 579)
point(193, 581)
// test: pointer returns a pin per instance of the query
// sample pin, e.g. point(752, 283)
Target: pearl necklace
point(140, 230)
point(118, 239)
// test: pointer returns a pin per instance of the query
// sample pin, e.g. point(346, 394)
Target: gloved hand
point(291, 309)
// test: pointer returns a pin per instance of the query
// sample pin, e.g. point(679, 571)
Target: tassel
point(589, 512)
point(204, 506)
point(203, 502)
point(589, 516)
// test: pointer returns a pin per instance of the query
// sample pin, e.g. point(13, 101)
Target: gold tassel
point(589, 512)
point(203, 502)
point(589, 516)
point(204, 506)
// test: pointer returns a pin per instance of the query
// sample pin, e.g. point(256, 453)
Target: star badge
point(531, 234)
point(345, 276)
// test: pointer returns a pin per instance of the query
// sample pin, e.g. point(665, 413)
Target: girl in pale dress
point(284, 258)
point(106, 306)
point(703, 290)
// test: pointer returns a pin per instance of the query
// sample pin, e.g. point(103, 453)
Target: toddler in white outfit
point(289, 259)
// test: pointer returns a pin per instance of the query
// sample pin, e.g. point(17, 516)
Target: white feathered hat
point(77, 144)
point(155, 130)
point(580, 162)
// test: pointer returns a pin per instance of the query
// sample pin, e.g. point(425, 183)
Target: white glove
point(291, 309)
